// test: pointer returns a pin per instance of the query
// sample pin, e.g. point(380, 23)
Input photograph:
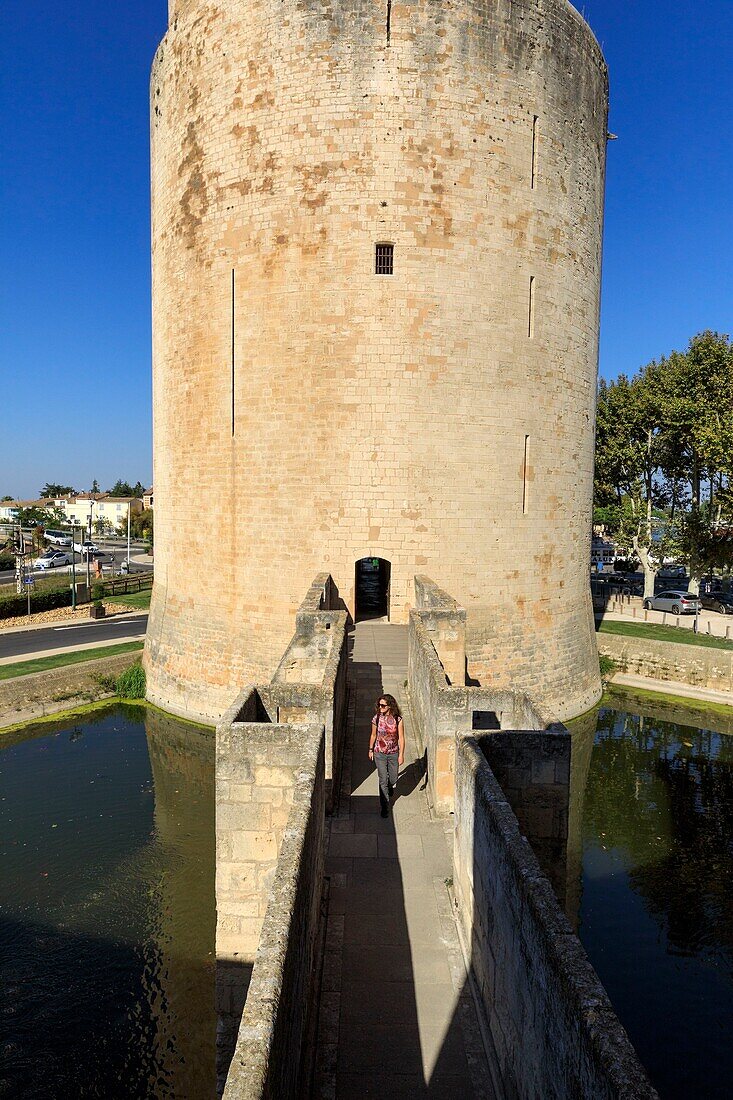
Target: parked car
point(718, 601)
point(52, 558)
point(58, 538)
point(674, 600)
point(86, 548)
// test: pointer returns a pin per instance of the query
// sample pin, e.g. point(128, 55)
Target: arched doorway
point(371, 589)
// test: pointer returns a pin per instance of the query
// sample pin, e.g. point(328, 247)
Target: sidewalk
point(396, 1014)
point(709, 622)
point(672, 687)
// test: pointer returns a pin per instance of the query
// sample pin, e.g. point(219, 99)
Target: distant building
point(603, 551)
point(9, 509)
point(100, 507)
point(148, 499)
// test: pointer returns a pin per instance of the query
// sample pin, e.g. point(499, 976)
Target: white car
point(52, 558)
point(58, 538)
point(85, 548)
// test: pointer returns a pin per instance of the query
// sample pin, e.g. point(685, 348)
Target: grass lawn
point(56, 660)
point(133, 599)
point(657, 633)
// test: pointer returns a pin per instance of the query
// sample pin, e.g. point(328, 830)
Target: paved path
point(709, 622)
point(673, 687)
point(397, 1019)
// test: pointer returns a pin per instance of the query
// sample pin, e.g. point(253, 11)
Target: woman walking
point(387, 746)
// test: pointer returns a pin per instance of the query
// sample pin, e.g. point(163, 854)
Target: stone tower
point(309, 411)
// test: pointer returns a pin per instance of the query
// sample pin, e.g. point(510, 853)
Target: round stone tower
point(376, 274)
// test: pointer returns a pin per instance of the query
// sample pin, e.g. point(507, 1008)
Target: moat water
point(107, 910)
point(652, 839)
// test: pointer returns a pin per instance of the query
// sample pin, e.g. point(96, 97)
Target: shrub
point(44, 599)
point(98, 592)
point(607, 667)
point(105, 681)
point(131, 683)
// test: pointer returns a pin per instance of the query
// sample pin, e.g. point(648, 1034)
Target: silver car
point(52, 558)
point(678, 602)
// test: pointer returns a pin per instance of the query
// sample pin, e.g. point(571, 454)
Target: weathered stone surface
point(271, 795)
point(24, 698)
point(440, 418)
point(699, 666)
point(552, 1025)
point(441, 709)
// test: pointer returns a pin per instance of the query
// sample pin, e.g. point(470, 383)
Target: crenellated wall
point(310, 412)
point(441, 710)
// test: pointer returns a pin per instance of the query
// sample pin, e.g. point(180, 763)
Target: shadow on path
point(395, 1015)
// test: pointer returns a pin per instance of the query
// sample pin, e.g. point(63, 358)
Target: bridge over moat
point(421, 955)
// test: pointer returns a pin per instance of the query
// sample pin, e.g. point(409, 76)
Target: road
point(113, 553)
point(20, 642)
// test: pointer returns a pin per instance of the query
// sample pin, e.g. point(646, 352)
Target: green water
point(651, 860)
point(107, 910)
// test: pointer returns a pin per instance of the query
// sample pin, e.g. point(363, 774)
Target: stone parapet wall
point(272, 872)
point(276, 749)
point(550, 1021)
point(24, 698)
point(441, 710)
point(445, 622)
point(533, 770)
point(699, 666)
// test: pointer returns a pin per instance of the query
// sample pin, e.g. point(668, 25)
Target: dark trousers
point(387, 769)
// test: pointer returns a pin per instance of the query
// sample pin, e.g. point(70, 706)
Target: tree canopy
point(664, 458)
point(124, 489)
point(51, 489)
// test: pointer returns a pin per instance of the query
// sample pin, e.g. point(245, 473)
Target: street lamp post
point(129, 504)
point(73, 568)
point(88, 555)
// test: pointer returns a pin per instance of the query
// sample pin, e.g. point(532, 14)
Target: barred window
point(384, 260)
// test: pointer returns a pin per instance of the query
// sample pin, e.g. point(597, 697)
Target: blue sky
point(74, 196)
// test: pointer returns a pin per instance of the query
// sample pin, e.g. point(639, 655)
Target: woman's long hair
point(392, 705)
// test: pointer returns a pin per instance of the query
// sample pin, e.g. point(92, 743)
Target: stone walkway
point(397, 1018)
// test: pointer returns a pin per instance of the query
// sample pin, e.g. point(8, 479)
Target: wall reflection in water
point(107, 916)
point(651, 881)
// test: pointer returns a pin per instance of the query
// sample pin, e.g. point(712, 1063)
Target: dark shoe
point(384, 811)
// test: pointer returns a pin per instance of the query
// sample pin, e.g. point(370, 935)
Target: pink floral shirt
point(388, 740)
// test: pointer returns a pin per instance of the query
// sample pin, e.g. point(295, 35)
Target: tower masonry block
point(309, 412)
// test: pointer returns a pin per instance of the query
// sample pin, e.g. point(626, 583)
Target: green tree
point(141, 525)
point(95, 486)
point(51, 489)
point(627, 472)
point(121, 489)
point(103, 526)
point(697, 447)
point(33, 516)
